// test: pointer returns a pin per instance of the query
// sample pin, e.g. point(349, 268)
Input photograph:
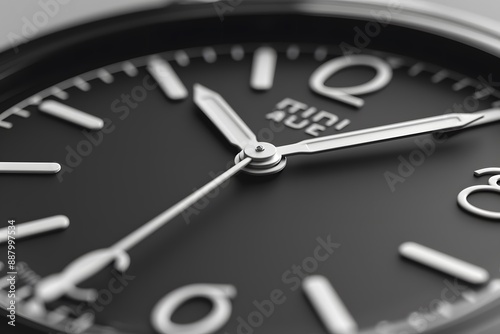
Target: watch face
point(310, 172)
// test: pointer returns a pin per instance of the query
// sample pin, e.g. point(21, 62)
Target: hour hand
point(223, 116)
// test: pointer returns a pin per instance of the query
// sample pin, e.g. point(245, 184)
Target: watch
point(258, 166)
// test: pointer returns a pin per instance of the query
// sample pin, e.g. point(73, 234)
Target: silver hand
point(55, 286)
point(489, 116)
point(223, 116)
point(382, 133)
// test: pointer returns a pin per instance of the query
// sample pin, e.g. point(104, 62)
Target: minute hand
point(379, 134)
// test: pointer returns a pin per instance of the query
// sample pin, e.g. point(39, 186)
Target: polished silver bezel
point(468, 28)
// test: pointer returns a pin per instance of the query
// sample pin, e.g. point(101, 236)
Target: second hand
point(55, 286)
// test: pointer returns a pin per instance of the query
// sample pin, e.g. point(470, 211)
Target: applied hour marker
point(36, 227)
point(5, 125)
point(21, 113)
point(71, 115)
point(182, 58)
point(209, 55)
point(105, 76)
point(470, 297)
point(440, 76)
point(130, 69)
point(237, 52)
point(416, 69)
point(321, 53)
point(330, 308)
point(293, 52)
point(263, 68)
point(481, 94)
point(168, 80)
point(82, 84)
point(35, 100)
point(395, 62)
point(29, 168)
point(57, 92)
point(462, 84)
point(3, 282)
point(444, 263)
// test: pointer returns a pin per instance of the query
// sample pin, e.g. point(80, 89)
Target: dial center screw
point(260, 151)
point(265, 159)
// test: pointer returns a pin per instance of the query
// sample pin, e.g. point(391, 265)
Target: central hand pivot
point(265, 159)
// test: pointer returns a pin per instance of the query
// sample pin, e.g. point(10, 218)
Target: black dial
point(121, 107)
